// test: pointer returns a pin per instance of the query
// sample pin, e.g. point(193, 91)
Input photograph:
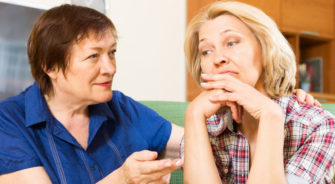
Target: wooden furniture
point(307, 25)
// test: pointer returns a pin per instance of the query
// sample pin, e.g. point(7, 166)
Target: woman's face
point(227, 46)
point(90, 70)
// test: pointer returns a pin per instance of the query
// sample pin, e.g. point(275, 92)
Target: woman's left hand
point(234, 90)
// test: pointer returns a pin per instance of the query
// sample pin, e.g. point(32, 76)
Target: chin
point(105, 97)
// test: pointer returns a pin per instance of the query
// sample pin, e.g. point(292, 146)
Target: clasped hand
point(226, 90)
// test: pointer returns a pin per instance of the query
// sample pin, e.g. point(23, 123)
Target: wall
point(150, 57)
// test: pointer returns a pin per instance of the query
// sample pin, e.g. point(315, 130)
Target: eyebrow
point(99, 48)
point(222, 32)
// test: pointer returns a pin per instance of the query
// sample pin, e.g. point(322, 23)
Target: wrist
point(194, 113)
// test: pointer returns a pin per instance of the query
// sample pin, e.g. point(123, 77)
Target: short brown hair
point(278, 59)
point(51, 39)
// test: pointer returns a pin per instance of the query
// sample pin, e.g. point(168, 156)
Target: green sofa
point(174, 112)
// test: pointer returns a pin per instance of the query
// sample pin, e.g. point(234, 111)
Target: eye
point(93, 56)
point(206, 52)
point(112, 53)
point(231, 43)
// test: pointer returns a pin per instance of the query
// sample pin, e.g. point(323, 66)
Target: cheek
point(205, 66)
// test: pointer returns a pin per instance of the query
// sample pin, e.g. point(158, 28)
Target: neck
point(66, 110)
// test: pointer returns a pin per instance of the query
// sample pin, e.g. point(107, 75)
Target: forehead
point(221, 24)
point(103, 39)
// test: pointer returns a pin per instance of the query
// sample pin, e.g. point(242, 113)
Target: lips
point(104, 84)
point(229, 72)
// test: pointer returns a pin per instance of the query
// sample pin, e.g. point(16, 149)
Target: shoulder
point(125, 103)
point(12, 107)
point(122, 104)
point(303, 114)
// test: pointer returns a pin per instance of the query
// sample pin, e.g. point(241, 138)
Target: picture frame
point(311, 75)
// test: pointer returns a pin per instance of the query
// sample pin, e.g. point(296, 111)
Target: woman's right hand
point(201, 105)
point(142, 167)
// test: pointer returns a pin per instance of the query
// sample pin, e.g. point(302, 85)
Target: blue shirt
point(30, 136)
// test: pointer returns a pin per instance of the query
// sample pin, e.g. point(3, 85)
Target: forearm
point(113, 177)
point(267, 165)
point(172, 148)
point(199, 165)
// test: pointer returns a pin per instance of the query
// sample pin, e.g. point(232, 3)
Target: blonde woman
point(246, 126)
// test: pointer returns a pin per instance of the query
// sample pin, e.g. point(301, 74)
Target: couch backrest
point(174, 111)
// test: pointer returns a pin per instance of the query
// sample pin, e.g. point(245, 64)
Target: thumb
point(145, 155)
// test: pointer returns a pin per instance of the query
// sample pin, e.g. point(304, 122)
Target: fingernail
point(168, 164)
point(203, 84)
point(178, 163)
point(204, 75)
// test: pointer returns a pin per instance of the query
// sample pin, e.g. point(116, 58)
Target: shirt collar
point(36, 108)
point(221, 121)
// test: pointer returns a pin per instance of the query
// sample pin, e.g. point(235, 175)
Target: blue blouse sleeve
point(154, 129)
point(15, 151)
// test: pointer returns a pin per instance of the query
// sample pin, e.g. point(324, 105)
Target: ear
point(52, 73)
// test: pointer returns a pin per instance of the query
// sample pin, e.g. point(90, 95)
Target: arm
point(267, 161)
point(172, 148)
point(35, 175)
point(313, 159)
point(199, 165)
point(267, 165)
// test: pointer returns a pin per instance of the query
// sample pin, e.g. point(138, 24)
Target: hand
point(302, 97)
point(234, 90)
point(201, 105)
point(141, 167)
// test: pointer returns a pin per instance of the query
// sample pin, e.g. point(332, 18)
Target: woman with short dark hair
point(70, 127)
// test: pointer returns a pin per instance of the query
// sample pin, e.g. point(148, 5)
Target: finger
point(163, 180)
point(144, 155)
point(223, 97)
point(317, 103)
point(309, 99)
point(225, 85)
point(167, 178)
point(301, 95)
point(154, 166)
point(158, 174)
point(215, 77)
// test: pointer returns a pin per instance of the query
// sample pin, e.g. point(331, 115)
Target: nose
point(108, 66)
point(220, 60)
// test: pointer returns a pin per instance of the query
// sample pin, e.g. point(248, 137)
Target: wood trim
point(324, 97)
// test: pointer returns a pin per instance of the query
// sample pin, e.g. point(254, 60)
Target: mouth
point(229, 72)
point(106, 84)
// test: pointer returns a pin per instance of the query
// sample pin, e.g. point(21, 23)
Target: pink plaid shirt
point(309, 147)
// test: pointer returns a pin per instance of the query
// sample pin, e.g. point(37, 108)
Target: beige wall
point(150, 57)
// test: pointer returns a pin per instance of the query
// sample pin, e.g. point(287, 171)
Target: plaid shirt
point(309, 147)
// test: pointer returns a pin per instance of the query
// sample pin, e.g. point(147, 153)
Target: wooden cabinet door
point(270, 7)
point(308, 16)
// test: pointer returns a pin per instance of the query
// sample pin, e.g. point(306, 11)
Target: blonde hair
point(278, 59)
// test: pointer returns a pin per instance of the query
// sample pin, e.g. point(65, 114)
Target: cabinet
point(307, 25)
point(315, 17)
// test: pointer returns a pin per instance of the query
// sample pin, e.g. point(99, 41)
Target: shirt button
point(92, 168)
point(225, 170)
